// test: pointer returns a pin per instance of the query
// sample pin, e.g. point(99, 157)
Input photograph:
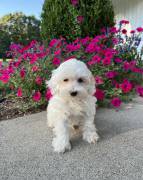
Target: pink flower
point(15, 47)
point(80, 19)
point(97, 48)
point(53, 42)
point(22, 73)
point(74, 2)
point(72, 47)
point(34, 68)
point(41, 55)
point(56, 61)
point(109, 53)
point(25, 56)
point(137, 70)
point(113, 30)
point(98, 80)
point(115, 40)
point(92, 47)
point(85, 40)
point(132, 31)
point(58, 52)
point(106, 61)
point(132, 64)
point(116, 102)
point(129, 65)
point(41, 48)
point(124, 22)
point(24, 49)
point(124, 31)
point(19, 92)
point(38, 80)
point(58, 44)
point(111, 74)
point(140, 29)
point(99, 94)
point(33, 43)
point(118, 60)
point(16, 64)
point(116, 84)
point(126, 66)
point(90, 63)
point(37, 96)
point(76, 41)
point(139, 90)
point(96, 59)
point(48, 94)
point(5, 78)
point(34, 58)
point(97, 39)
point(126, 86)
point(10, 70)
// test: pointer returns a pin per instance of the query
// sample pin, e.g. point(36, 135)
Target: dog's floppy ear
point(92, 88)
point(52, 84)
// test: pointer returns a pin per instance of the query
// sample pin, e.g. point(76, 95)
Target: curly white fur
point(73, 103)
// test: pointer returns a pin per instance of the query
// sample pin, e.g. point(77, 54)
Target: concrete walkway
point(26, 152)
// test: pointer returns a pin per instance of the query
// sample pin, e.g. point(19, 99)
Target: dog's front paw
point(91, 137)
point(59, 146)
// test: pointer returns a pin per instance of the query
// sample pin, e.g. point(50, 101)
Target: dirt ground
point(9, 109)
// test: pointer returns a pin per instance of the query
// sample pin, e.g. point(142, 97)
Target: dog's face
point(72, 79)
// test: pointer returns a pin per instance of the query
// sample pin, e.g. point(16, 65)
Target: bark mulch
point(11, 108)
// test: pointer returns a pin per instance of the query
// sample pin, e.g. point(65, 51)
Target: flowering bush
point(113, 58)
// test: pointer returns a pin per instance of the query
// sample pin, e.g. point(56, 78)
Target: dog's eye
point(80, 80)
point(66, 80)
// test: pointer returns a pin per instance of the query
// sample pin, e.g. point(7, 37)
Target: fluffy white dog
point(73, 104)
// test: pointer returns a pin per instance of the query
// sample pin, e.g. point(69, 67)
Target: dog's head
point(72, 79)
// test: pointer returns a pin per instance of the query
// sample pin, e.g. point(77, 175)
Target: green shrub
point(74, 18)
point(4, 42)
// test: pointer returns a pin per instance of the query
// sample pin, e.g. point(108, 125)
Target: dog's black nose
point(73, 93)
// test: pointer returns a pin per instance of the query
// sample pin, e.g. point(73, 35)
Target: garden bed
point(11, 108)
point(113, 58)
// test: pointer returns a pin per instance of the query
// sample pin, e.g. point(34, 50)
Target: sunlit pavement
point(26, 152)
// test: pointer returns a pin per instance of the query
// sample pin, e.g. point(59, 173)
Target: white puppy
point(72, 104)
